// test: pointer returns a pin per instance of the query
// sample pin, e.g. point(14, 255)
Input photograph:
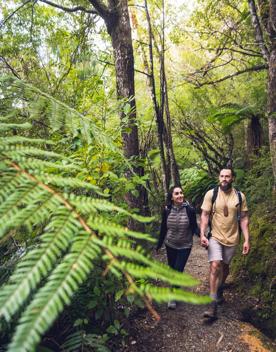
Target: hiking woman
point(177, 228)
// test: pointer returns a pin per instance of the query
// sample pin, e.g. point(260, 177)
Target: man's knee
point(215, 267)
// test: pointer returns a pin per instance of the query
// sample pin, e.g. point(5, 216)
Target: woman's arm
point(192, 218)
point(163, 229)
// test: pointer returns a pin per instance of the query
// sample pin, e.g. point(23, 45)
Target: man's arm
point(245, 230)
point(204, 221)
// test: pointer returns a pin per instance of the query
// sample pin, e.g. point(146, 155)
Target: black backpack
point(214, 197)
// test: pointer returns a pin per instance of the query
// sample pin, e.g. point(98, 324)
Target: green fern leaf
point(38, 263)
point(50, 300)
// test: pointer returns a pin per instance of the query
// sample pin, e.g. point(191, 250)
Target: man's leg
point(216, 272)
point(227, 254)
point(215, 277)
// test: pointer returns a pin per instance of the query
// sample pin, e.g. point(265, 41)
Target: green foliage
point(70, 223)
point(196, 183)
point(231, 114)
point(258, 181)
point(256, 273)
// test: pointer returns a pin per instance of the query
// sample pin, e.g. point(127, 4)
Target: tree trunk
point(254, 135)
point(253, 139)
point(149, 69)
point(118, 27)
point(173, 164)
point(270, 56)
point(157, 110)
point(174, 172)
point(272, 87)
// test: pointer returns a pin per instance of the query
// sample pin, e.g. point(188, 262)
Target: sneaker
point(171, 304)
point(211, 313)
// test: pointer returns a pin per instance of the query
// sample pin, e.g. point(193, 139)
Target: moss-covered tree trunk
point(272, 87)
point(268, 50)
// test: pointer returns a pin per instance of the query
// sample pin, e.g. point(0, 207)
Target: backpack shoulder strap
point(238, 193)
point(239, 197)
point(215, 195)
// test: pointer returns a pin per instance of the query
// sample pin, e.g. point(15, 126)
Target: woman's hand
point(204, 241)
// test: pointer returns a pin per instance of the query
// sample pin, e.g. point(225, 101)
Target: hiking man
point(224, 210)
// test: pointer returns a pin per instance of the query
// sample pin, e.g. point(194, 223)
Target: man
point(222, 215)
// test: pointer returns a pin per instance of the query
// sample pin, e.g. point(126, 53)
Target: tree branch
point(14, 12)
point(249, 69)
point(101, 8)
point(10, 67)
point(135, 69)
point(243, 51)
point(69, 9)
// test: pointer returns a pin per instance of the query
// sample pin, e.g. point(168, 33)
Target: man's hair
point(228, 168)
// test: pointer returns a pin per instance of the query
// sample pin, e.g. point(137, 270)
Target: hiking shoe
point(220, 298)
point(171, 304)
point(211, 313)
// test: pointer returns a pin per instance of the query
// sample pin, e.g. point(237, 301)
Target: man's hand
point(204, 241)
point(245, 248)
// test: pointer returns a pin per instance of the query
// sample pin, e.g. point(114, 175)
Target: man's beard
point(226, 187)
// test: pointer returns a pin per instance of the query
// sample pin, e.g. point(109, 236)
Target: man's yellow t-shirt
point(225, 229)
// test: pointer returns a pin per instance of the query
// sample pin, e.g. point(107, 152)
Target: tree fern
point(71, 224)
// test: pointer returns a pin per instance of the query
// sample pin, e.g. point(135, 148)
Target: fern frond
point(40, 206)
point(68, 182)
point(57, 114)
point(73, 342)
point(15, 140)
point(163, 274)
point(17, 150)
point(109, 228)
point(37, 164)
point(38, 188)
point(49, 301)
point(9, 183)
point(12, 126)
point(87, 206)
point(38, 263)
point(164, 294)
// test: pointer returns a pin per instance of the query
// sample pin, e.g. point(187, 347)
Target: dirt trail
point(184, 329)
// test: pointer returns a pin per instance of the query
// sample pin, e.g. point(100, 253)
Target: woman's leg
point(181, 258)
point(171, 256)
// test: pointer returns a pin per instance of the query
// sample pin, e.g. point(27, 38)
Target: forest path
point(184, 329)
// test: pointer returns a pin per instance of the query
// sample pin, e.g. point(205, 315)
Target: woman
point(177, 229)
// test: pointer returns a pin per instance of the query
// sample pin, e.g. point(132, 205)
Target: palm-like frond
point(40, 195)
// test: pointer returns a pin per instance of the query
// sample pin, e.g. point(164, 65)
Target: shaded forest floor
point(184, 329)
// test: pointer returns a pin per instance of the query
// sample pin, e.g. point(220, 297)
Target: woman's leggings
point(177, 258)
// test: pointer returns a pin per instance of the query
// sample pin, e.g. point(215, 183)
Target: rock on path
point(184, 329)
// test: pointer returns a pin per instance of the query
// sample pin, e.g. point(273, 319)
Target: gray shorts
point(217, 251)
